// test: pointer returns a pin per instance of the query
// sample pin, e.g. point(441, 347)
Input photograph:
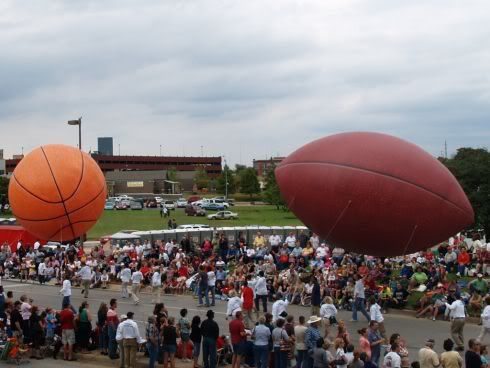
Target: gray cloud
point(243, 79)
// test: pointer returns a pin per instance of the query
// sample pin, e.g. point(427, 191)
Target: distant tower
point(105, 146)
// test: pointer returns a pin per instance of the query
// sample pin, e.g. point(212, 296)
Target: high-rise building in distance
point(105, 146)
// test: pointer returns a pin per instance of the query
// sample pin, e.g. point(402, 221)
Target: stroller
point(13, 351)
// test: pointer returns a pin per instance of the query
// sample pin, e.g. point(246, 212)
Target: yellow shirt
point(451, 359)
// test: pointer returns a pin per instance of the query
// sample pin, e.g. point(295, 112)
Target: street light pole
point(226, 179)
point(79, 123)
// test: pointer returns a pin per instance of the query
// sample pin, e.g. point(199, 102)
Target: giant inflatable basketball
point(57, 192)
point(373, 194)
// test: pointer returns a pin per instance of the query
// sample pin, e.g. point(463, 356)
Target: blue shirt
point(311, 337)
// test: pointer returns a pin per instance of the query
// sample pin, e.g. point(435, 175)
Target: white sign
point(135, 184)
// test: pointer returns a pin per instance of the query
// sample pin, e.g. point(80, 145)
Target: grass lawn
point(113, 221)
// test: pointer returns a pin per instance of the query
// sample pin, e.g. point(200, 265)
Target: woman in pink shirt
point(364, 344)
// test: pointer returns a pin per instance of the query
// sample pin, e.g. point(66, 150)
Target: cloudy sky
point(245, 79)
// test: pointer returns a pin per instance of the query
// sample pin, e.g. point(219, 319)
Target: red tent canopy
point(12, 234)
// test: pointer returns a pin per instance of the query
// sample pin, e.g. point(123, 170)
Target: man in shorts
point(67, 318)
point(238, 339)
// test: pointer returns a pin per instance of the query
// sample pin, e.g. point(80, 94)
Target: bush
point(239, 197)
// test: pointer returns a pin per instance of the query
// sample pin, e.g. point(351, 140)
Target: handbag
point(285, 346)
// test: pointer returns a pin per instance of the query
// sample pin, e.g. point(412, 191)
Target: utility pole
point(226, 179)
point(445, 149)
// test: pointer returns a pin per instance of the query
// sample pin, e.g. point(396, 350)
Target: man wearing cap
point(129, 334)
point(428, 358)
point(458, 317)
point(312, 335)
point(125, 276)
point(479, 285)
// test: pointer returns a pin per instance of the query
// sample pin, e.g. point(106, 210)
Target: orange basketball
point(57, 192)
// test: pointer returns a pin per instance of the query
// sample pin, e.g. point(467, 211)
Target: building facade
point(105, 146)
point(107, 163)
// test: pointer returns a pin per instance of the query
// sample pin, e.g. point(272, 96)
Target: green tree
point(172, 174)
point(4, 188)
point(221, 181)
point(471, 166)
point(272, 194)
point(249, 183)
point(201, 179)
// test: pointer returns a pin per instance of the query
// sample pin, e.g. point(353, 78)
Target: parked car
point(213, 206)
point(193, 226)
point(193, 199)
point(123, 205)
point(109, 205)
point(151, 204)
point(158, 200)
point(191, 210)
point(223, 215)
point(219, 201)
point(169, 205)
point(181, 203)
point(136, 205)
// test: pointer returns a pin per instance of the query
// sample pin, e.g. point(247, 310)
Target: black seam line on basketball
point(34, 195)
point(376, 173)
point(59, 192)
point(70, 213)
point(74, 223)
point(79, 181)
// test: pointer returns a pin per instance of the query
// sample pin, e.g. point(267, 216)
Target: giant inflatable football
point(57, 192)
point(373, 193)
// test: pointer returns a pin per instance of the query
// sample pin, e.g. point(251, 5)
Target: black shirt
point(169, 335)
point(15, 316)
point(472, 359)
point(196, 334)
point(209, 328)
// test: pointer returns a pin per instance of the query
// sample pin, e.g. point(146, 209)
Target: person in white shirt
point(321, 251)
point(279, 307)
point(66, 291)
point(85, 274)
point(125, 276)
point(136, 279)
point(41, 272)
point(315, 241)
point(274, 240)
point(261, 293)
point(291, 240)
point(458, 317)
point(328, 311)
point(156, 284)
point(234, 305)
point(128, 334)
point(485, 320)
point(212, 286)
point(376, 315)
point(104, 279)
point(393, 359)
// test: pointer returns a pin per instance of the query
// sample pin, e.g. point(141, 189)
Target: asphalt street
point(414, 331)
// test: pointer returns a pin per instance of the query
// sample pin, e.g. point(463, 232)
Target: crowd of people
point(447, 282)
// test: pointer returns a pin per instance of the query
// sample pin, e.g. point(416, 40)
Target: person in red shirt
point(67, 331)
point(248, 304)
point(238, 339)
point(463, 262)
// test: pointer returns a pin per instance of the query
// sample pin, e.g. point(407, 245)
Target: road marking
point(15, 286)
